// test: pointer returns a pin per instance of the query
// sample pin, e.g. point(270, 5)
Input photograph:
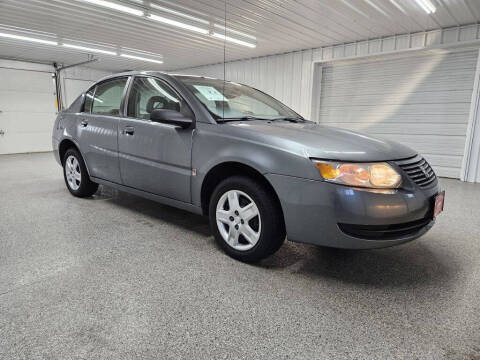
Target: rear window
point(108, 97)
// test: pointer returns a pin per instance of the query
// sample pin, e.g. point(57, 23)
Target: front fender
point(213, 146)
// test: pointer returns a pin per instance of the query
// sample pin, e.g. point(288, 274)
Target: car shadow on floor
point(407, 265)
point(411, 264)
point(154, 211)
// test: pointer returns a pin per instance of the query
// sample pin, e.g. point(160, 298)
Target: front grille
point(384, 232)
point(418, 170)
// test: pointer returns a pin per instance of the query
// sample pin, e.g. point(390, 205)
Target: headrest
point(160, 102)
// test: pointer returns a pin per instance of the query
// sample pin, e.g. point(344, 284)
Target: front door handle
point(84, 123)
point(129, 130)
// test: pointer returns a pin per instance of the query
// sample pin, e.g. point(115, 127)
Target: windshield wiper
point(290, 118)
point(241, 118)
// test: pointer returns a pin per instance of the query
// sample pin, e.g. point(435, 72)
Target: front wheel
point(76, 176)
point(246, 219)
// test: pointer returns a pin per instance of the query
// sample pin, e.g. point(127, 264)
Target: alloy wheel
point(238, 220)
point(73, 172)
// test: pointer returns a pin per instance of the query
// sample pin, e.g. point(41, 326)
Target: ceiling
point(278, 25)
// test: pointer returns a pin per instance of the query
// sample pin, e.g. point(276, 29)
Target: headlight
point(371, 175)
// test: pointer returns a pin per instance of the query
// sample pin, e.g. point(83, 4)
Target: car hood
point(325, 142)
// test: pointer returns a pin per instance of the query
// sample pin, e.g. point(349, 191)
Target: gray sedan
point(259, 170)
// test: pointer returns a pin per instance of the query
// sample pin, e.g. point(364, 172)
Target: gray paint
point(158, 165)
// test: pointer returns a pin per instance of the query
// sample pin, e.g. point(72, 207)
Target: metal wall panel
point(422, 101)
point(287, 77)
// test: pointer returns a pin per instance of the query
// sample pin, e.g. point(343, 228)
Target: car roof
point(154, 73)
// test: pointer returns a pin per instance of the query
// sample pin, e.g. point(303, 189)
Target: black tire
point(86, 187)
point(272, 231)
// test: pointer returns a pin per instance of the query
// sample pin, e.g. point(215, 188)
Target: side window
point(108, 97)
point(87, 104)
point(148, 94)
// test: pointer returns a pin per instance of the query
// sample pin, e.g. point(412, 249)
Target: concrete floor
point(120, 277)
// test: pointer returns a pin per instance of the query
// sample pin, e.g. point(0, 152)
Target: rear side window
point(108, 97)
point(87, 105)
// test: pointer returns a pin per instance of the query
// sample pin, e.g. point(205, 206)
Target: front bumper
point(326, 214)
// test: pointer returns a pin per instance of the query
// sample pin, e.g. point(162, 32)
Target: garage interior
point(118, 276)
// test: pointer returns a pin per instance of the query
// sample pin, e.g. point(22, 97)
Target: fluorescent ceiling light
point(141, 58)
point(235, 31)
point(427, 6)
point(178, 13)
point(233, 40)
point(90, 49)
point(115, 6)
point(178, 24)
point(27, 38)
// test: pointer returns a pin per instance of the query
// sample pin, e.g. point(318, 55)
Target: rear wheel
point(246, 219)
point(76, 176)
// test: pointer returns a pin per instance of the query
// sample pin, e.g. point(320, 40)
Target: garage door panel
point(26, 101)
point(421, 101)
point(21, 80)
point(374, 76)
point(431, 144)
point(423, 64)
point(28, 142)
point(401, 86)
point(38, 122)
point(425, 97)
point(447, 161)
point(28, 110)
point(403, 118)
point(449, 172)
point(365, 110)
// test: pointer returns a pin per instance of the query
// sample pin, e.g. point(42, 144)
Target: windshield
point(235, 101)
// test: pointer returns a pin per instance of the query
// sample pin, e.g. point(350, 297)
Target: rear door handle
point(129, 130)
point(84, 123)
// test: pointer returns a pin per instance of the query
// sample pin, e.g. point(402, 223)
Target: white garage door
point(27, 111)
point(421, 101)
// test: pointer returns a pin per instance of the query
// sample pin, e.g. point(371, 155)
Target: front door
point(98, 129)
point(155, 157)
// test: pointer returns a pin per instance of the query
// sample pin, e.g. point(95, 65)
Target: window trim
point(94, 86)
point(163, 81)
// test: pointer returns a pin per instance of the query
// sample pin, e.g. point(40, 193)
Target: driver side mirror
point(171, 117)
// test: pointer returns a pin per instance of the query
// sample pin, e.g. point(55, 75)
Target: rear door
point(155, 157)
point(97, 128)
